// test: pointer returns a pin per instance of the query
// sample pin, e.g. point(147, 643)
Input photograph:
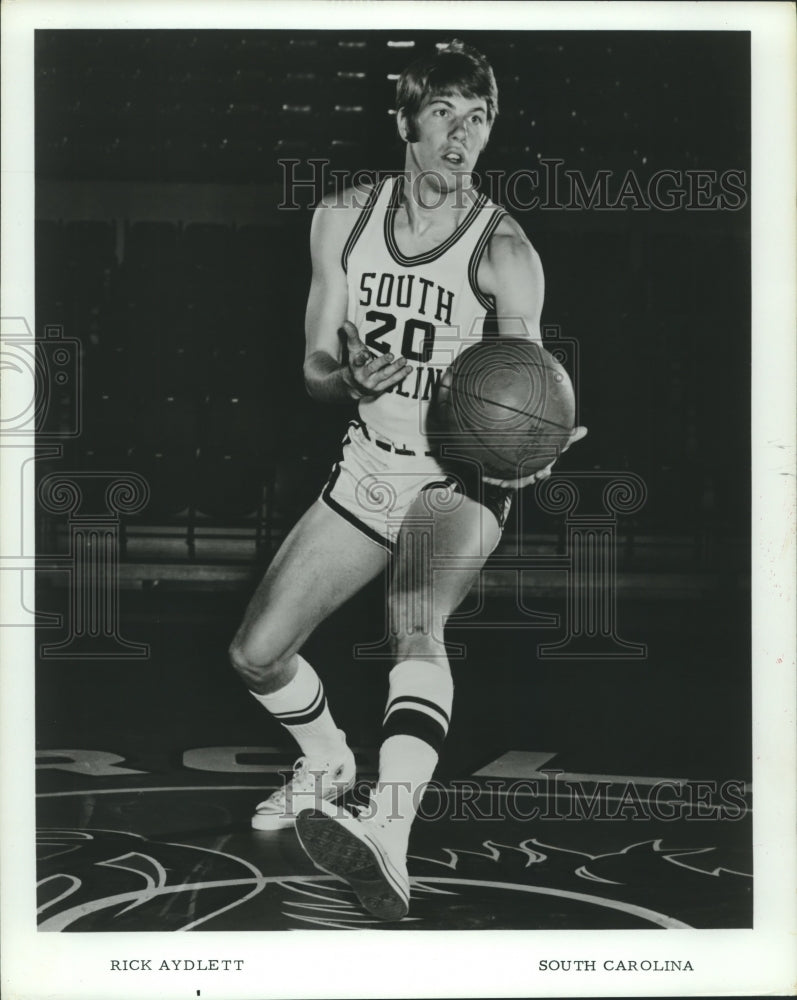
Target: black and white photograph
point(397, 448)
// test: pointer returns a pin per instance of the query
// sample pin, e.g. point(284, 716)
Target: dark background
point(160, 247)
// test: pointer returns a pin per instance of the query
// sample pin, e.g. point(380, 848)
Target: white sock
point(301, 707)
point(416, 723)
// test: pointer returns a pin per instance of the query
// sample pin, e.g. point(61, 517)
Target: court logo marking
point(111, 880)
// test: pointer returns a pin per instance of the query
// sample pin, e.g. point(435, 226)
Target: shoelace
point(303, 780)
point(299, 778)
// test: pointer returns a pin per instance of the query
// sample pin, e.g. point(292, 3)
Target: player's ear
point(404, 126)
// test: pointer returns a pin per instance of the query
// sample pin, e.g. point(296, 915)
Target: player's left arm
point(511, 272)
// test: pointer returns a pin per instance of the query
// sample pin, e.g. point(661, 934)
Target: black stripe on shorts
point(468, 482)
point(347, 515)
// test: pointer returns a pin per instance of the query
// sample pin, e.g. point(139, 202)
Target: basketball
point(508, 405)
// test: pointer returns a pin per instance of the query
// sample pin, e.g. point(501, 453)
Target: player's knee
point(239, 660)
point(420, 645)
point(254, 665)
point(415, 634)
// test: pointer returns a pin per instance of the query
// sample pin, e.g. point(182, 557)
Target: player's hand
point(517, 484)
point(368, 374)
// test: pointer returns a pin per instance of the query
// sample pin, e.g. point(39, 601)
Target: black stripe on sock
point(406, 722)
point(419, 701)
point(303, 720)
point(319, 694)
point(292, 717)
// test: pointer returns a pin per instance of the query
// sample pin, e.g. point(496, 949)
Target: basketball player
point(404, 273)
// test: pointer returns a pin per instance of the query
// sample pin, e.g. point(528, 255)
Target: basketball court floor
point(571, 794)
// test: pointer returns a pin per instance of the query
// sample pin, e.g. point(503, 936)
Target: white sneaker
point(358, 850)
point(315, 780)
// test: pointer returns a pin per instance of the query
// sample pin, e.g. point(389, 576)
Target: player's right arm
point(337, 370)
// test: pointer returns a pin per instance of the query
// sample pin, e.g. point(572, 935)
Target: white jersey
point(426, 308)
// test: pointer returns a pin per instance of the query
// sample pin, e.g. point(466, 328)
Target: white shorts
point(375, 483)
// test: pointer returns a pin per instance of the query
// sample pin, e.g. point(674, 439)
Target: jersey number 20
point(387, 323)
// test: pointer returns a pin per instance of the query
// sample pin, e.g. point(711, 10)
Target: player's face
point(451, 131)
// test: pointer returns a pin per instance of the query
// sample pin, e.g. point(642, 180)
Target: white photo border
point(746, 962)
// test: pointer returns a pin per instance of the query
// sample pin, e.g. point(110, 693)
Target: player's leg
point(370, 852)
point(442, 548)
point(321, 564)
